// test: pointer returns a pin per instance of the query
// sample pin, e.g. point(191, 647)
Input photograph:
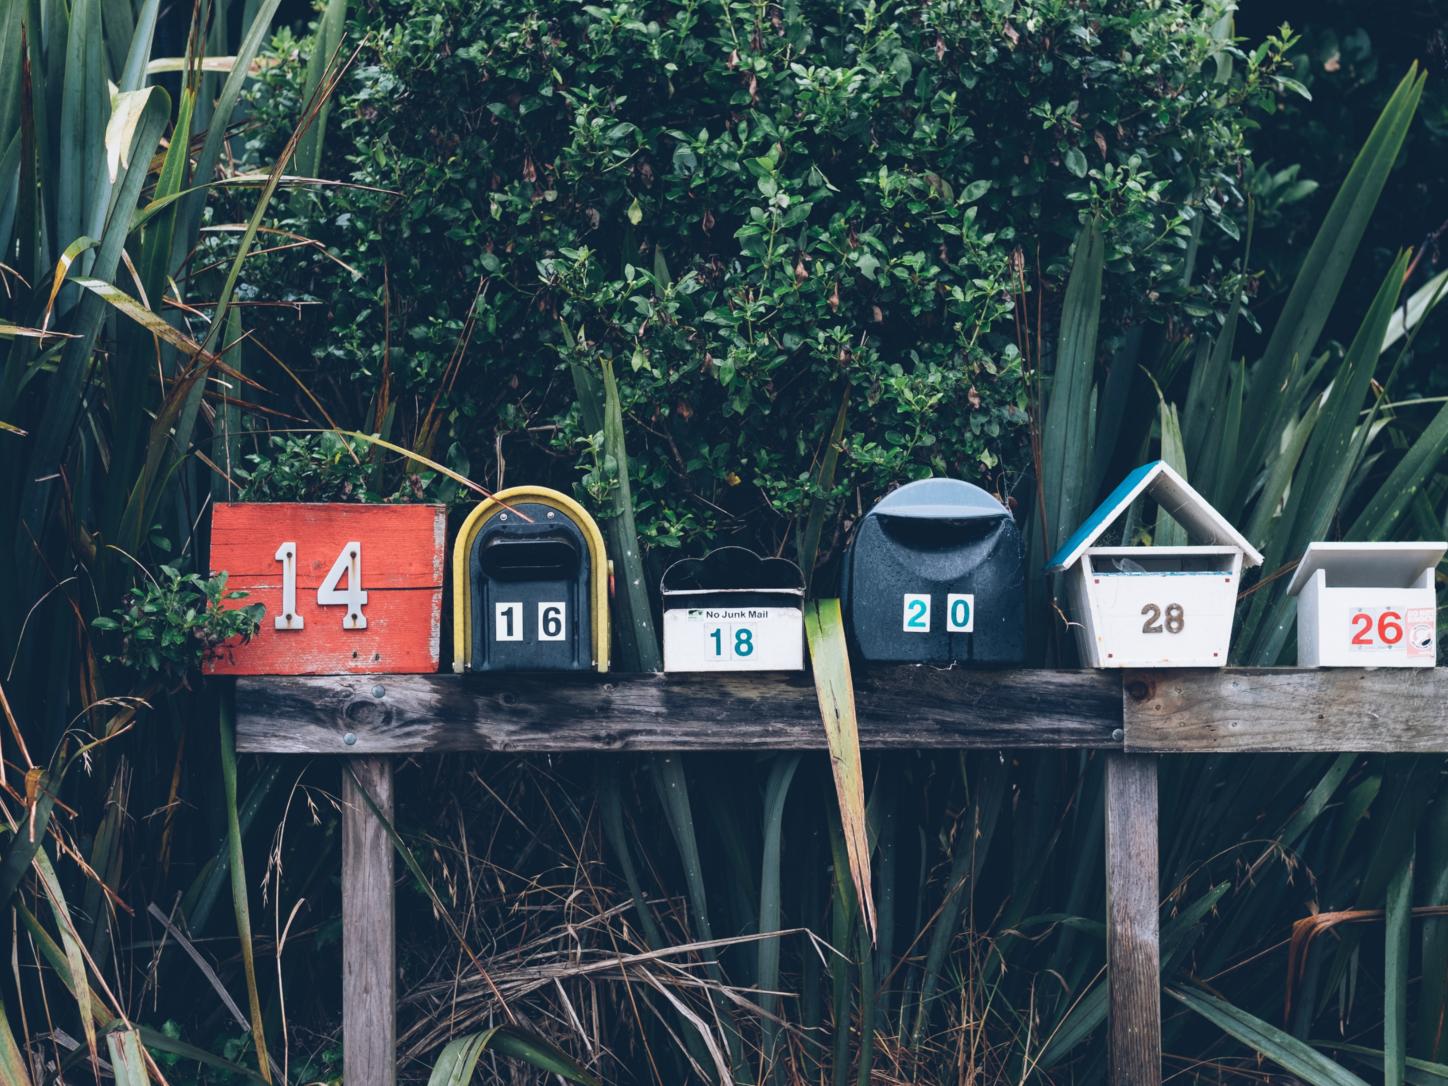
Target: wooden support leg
point(369, 956)
point(1133, 953)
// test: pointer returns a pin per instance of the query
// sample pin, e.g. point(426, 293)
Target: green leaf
point(1066, 438)
point(1314, 292)
point(459, 1059)
point(74, 951)
point(128, 1064)
point(1419, 304)
point(1168, 533)
point(771, 907)
point(322, 64)
point(1076, 162)
point(240, 904)
point(1404, 483)
point(12, 1064)
point(1292, 1055)
point(830, 660)
point(1395, 973)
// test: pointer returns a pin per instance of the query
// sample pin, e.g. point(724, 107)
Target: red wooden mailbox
point(348, 589)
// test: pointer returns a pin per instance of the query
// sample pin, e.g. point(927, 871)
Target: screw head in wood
point(1117, 735)
point(378, 691)
point(350, 739)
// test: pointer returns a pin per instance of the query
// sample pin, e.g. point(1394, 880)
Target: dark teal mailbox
point(936, 575)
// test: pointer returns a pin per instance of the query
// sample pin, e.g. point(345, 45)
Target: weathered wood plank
point(369, 957)
point(1133, 951)
point(1284, 709)
point(901, 708)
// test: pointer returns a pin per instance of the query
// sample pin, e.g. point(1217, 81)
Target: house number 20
point(353, 597)
point(1176, 618)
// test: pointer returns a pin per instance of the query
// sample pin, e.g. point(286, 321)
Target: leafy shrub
point(754, 213)
point(324, 467)
point(169, 626)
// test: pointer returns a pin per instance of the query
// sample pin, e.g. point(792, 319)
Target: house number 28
point(1176, 618)
point(353, 597)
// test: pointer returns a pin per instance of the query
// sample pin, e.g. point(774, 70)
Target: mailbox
point(1155, 606)
point(530, 586)
point(733, 611)
point(1367, 604)
point(935, 575)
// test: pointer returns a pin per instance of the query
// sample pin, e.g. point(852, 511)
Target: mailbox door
point(1376, 627)
point(937, 590)
point(733, 631)
point(530, 604)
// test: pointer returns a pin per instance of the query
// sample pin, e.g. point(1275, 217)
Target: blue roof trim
point(1105, 513)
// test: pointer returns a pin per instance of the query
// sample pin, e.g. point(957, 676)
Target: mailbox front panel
point(723, 638)
point(937, 590)
point(1367, 627)
point(1158, 620)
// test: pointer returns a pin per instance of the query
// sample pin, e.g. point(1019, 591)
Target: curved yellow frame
point(598, 577)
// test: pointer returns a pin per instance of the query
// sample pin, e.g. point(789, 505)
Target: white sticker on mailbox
point(1422, 623)
point(960, 612)
point(917, 612)
point(508, 622)
point(733, 639)
point(551, 621)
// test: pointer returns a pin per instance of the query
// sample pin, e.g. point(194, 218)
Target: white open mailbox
point(1367, 604)
point(733, 611)
point(1155, 606)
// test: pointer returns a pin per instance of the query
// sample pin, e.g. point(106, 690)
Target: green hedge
point(756, 211)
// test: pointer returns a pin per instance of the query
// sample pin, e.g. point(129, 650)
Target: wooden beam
point(369, 954)
point(1133, 954)
point(901, 708)
point(1285, 709)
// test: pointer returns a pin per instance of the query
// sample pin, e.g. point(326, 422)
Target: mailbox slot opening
point(1166, 561)
point(1370, 575)
point(542, 558)
point(938, 533)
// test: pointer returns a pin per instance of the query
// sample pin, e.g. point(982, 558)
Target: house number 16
point(353, 597)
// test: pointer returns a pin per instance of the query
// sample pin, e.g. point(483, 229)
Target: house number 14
point(353, 597)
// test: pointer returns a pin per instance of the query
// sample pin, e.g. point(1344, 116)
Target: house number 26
point(353, 597)
point(1176, 618)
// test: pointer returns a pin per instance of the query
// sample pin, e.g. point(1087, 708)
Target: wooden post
point(369, 956)
point(1133, 952)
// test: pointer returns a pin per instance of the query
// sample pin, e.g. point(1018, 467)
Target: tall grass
point(119, 352)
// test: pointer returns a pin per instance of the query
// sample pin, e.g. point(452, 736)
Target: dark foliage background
point(837, 205)
point(1349, 55)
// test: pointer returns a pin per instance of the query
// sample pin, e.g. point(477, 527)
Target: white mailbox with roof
point(1367, 604)
point(1155, 606)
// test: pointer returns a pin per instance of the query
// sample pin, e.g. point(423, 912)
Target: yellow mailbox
point(530, 585)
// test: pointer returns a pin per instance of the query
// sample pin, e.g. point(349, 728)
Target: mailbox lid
point(939, 499)
point(1367, 565)
point(732, 576)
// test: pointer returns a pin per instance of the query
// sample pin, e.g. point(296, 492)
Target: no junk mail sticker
point(348, 589)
